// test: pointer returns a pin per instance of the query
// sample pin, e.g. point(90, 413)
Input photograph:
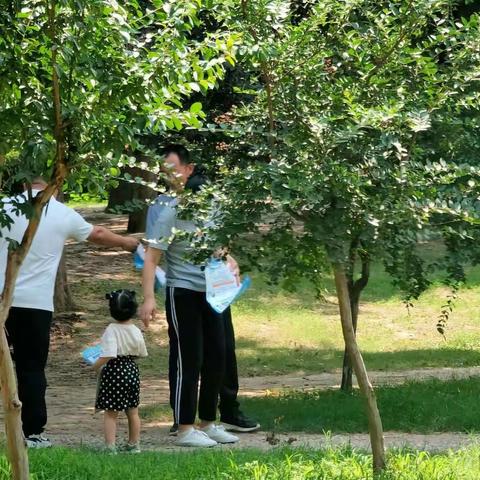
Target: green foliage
point(362, 137)
point(126, 70)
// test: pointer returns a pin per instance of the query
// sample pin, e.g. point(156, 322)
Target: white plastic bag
point(222, 287)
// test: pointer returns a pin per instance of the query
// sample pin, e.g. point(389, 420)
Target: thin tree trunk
point(347, 369)
point(63, 299)
point(355, 289)
point(12, 406)
point(374, 420)
point(12, 410)
point(16, 448)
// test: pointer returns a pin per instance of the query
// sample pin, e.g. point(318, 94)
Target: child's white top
point(121, 340)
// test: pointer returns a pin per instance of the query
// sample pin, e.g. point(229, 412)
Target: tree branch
point(266, 76)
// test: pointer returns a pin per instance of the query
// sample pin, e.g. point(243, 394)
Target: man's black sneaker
point(173, 430)
point(239, 423)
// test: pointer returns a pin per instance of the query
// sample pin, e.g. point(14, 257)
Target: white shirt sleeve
point(109, 343)
point(79, 229)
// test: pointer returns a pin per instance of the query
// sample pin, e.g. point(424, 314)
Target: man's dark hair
point(123, 304)
point(182, 153)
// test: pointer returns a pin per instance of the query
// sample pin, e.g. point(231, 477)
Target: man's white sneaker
point(194, 438)
point(219, 434)
point(38, 441)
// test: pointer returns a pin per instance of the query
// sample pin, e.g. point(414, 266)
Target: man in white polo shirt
point(28, 324)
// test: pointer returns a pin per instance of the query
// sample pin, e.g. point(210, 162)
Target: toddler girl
point(119, 384)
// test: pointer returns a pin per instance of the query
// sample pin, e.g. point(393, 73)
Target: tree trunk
point(128, 192)
point(63, 299)
point(12, 406)
point(118, 196)
point(137, 221)
point(374, 420)
point(347, 369)
point(355, 289)
point(16, 448)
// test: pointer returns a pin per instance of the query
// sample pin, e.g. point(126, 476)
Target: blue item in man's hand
point(139, 261)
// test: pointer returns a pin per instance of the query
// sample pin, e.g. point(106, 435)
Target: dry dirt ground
point(72, 420)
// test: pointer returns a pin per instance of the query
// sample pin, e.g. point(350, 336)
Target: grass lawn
point(280, 332)
point(86, 202)
point(330, 464)
point(432, 406)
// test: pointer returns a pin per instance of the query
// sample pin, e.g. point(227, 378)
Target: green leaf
point(196, 107)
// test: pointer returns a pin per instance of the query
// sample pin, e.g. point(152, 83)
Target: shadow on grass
point(380, 287)
point(423, 407)
point(256, 359)
point(432, 406)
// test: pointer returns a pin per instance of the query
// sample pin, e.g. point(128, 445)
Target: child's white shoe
point(194, 438)
point(132, 448)
point(110, 449)
point(219, 434)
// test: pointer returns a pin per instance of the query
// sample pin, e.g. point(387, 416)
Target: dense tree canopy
point(125, 69)
point(363, 136)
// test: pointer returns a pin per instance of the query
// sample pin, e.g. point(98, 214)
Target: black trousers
point(229, 390)
point(197, 348)
point(28, 333)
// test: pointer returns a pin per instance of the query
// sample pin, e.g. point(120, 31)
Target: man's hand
point(130, 244)
point(147, 311)
point(233, 265)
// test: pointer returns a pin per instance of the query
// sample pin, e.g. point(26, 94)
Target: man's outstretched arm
point(103, 236)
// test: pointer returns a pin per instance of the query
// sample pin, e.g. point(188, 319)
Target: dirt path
point(156, 438)
point(72, 420)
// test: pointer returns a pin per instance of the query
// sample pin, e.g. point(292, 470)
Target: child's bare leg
point(110, 426)
point(133, 425)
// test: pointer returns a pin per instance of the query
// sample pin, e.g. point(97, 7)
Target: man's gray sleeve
point(150, 223)
point(163, 230)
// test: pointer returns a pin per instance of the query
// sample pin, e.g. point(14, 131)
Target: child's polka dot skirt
point(119, 387)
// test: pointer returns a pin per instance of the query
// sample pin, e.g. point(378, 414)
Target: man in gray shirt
point(230, 414)
point(196, 331)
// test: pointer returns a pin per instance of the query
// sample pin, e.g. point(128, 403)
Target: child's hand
point(100, 363)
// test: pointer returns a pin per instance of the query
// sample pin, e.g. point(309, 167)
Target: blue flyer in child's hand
point(92, 354)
